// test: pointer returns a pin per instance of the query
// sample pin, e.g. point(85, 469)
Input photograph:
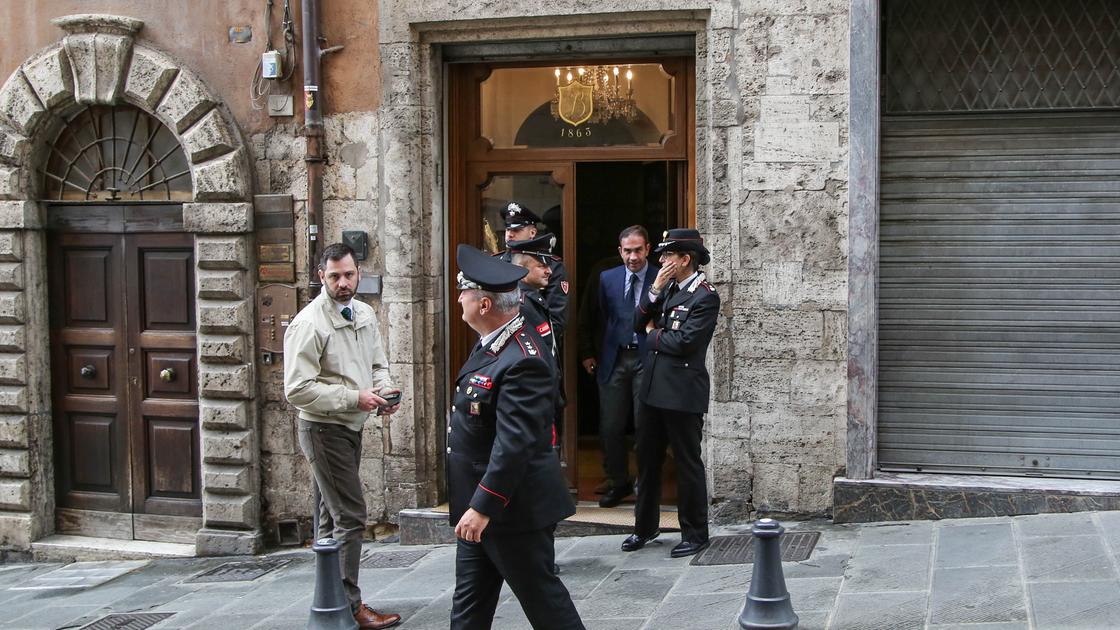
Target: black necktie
point(347, 314)
point(630, 289)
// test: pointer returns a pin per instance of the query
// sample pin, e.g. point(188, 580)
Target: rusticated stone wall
point(99, 62)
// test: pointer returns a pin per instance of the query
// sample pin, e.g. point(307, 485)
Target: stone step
point(65, 548)
point(429, 526)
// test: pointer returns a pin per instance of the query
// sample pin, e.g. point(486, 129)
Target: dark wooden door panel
point(87, 351)
point(166, 462)
point(172, 476)
point(167, 289)
point(90, 272)
point(125, 374)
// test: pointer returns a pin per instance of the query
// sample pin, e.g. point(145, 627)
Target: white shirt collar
point(338, 306)
point(641, 273)
point(688, 280)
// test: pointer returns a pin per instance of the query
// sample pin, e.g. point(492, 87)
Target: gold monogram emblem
point(575, 105)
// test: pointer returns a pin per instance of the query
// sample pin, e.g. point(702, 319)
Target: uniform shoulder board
point(700, 280)
point(528, 347)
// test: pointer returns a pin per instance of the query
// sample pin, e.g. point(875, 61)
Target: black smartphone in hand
point(391, 398)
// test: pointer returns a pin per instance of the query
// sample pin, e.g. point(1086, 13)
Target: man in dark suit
point(505, 487)
point(618, 367)
point(679, 312)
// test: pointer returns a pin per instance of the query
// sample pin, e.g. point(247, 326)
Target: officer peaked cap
point(684, 240)
point(541, 246)
point(517, 215)
point(479, 270)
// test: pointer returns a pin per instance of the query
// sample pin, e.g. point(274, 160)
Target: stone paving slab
point(1001, 573)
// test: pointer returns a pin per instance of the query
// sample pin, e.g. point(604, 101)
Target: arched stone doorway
point(99, 63)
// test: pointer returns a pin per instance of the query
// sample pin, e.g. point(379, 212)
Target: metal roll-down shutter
point(999, 288)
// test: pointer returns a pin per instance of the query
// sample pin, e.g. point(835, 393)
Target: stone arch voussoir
point(98, 62)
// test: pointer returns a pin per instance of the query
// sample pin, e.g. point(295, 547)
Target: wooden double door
point(124, 379)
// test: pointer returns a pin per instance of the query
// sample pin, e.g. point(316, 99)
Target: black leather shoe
point(615, 495)
point(635, 542)
point(688, 548)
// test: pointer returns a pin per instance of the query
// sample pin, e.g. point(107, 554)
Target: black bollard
point(768, 605)
point(330, 609)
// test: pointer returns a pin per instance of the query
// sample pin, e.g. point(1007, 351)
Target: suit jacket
point(499, 455)
point(619, 316)
point(674, 374)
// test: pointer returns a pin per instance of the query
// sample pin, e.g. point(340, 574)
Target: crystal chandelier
point(593, 94)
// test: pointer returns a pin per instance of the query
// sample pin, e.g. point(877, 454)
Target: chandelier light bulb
point(629, 75)
point(581, 72)
point(616, 71)
point(569, 77)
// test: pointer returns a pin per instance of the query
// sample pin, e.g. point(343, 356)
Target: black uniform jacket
point(555, 294)
point(499, 456)
point(674, 375)
point(535, 309)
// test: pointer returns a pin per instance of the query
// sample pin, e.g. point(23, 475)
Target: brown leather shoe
point(370, 619)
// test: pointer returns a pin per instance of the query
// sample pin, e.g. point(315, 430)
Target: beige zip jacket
point(328, 360)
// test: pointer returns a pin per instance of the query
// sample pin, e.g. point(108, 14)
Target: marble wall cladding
point(865, 501)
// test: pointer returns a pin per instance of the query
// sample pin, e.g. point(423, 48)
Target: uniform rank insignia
point(544, 329)
point(476, 408)
point(677, 325)
point(484, 382)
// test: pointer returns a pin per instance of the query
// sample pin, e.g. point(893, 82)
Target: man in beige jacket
point(336, 373)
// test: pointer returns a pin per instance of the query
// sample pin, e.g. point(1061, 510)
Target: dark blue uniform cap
point(541, 246)
point(516, 215)
point(684, 240)
point(479, 270)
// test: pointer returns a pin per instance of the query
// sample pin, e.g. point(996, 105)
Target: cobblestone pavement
point(1046, 571)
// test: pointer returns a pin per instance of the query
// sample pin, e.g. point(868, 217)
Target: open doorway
point(611, 196)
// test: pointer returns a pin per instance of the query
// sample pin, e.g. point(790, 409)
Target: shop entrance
point(590, 146)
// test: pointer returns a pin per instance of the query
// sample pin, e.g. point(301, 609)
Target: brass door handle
point(167, 375)
point(88, 371)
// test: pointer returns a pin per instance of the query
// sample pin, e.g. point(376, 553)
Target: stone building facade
point(781, 115)
point(771, 138)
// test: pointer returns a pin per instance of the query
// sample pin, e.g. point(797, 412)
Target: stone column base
point(228, 542)
point(16, 531)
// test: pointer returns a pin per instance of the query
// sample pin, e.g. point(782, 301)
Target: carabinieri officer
point(505, 486)
point(679, 311)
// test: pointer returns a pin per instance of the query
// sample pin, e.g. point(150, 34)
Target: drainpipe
point(313, 131)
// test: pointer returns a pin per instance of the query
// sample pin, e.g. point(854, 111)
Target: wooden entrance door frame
point(473, 161)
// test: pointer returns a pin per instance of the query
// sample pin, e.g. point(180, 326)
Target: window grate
point(999, 55)
point(127, 621)
point(116, 153)
point(795, 547)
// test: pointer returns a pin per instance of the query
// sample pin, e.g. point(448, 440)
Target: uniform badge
point(544, 329)
point(677, 325)
point(476, 408)
point(470, 390)
point(482, 381)
point(564, 286)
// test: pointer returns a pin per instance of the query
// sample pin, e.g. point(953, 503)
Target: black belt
point(630, 346)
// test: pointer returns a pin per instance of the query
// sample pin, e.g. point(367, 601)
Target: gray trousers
point(618, 397)
point(334, 453)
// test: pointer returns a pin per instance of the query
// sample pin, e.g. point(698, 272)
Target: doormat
point(795, 546)
point(127, 621)
point(244, 571)
point(392, 559)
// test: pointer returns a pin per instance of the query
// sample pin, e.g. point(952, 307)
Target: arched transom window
point(116, 153)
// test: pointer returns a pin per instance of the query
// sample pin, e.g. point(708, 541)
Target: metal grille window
point(116, 153)
point(998, 55)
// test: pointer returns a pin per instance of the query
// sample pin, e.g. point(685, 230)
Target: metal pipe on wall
point(313, 131)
